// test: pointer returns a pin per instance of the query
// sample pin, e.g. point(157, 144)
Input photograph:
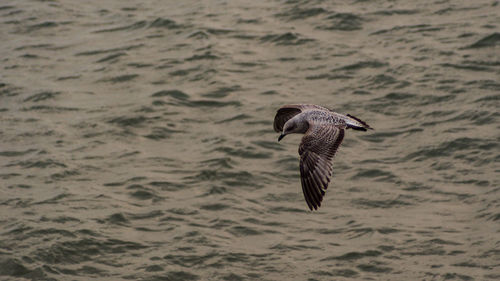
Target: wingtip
point(313, 208)
point(364, 126)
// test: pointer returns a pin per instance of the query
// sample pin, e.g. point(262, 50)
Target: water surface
point(137, 143)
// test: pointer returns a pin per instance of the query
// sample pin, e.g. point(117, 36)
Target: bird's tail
point(356, 123)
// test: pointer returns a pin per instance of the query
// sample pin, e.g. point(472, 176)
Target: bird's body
point(323, 132)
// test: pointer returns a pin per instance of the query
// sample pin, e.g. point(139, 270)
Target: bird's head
point(293, 126)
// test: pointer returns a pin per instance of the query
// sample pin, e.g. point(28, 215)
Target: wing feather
point(284, 114)
point(317, 149)
point(306, 192)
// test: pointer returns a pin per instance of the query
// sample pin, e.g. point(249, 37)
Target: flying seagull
point(323, 132)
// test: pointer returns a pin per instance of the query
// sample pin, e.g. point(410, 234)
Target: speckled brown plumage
point(323, 132)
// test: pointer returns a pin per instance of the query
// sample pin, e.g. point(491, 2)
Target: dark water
point(136, 140)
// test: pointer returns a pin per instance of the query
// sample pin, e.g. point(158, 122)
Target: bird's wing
point(316, 150)
point(288, 111)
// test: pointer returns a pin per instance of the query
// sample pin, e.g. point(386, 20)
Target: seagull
point(323, 132)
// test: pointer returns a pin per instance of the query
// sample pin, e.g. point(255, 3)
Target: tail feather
point(362, 126)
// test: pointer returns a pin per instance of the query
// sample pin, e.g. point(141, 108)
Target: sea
point(137, 141)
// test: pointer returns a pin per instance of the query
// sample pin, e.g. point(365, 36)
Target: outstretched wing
point(316, 151)
point(288, 111)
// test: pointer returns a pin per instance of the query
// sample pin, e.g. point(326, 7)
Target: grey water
point(137, 142)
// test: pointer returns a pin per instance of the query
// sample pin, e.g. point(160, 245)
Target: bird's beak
point(281, 136)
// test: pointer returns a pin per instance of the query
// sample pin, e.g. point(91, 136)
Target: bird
point(323, 131)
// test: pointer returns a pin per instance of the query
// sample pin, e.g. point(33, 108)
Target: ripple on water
point(215, 207)
point(222, 92)
point(135, 25)
point(64, 174)
point(287, 247)
point(452, 147)
point(377, 174)
point(343, 22)
point(361, 65)
point(219, 163)
point(49, 109)
point(348, 273)
point(286, 39)
point(242, 178)
point(176, 94)
point(161, 133)
point(167, 186)
point(491, 40)
point(248, 152)
point(207, 55)
point(42, 25)
point(111, 50)
point(12, 153)
point(23, 186)
point(16, 268)
point(240, 231)
point(298, 13)
point(118, 219)
point(180, 98)
point(354, 255)
point(401, 29)
point(141, 192)
point(234, 118)
point(383, 203)
point(119, 79)
point(42, 96)
point(42, 164)
point(85, 249)
point(211, 103)
point(191, 260)
point(126, 121)
point(376, 268)
point(113, 58)
point(180, 275)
